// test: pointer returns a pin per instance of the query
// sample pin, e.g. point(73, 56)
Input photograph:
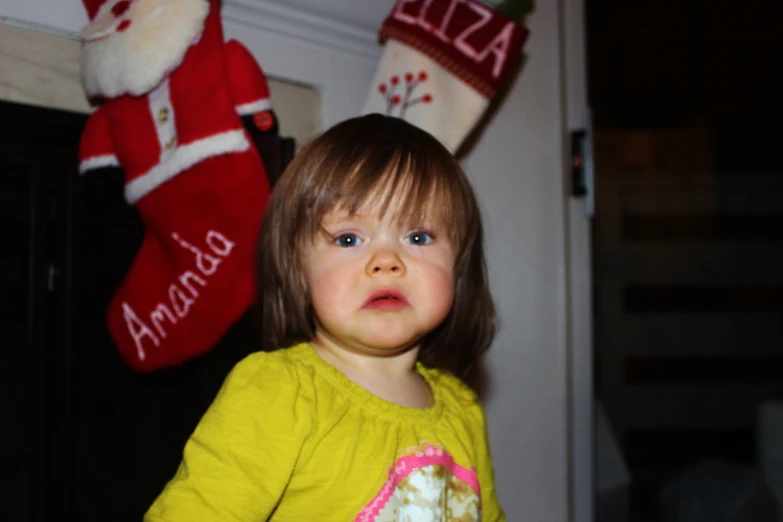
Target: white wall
point(517, 168)
point(65, 17)
point(329, 51)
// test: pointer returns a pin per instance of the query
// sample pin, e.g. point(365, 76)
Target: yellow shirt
point(290, 439)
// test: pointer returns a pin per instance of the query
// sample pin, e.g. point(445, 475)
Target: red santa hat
point(92, 7)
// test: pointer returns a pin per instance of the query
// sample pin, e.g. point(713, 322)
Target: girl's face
point(377, 285)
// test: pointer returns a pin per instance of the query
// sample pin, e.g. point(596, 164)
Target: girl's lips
point(385, 300)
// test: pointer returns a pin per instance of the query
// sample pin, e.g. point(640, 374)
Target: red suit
point(201, 190)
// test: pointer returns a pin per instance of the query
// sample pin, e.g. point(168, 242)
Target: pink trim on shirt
point(429, 456)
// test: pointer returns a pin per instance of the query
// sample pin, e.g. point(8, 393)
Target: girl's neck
point(392, 378)
point(398, 364)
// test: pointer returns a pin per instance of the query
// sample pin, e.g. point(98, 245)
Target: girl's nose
point(385, 262)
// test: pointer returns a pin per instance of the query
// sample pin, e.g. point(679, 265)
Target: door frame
point(581, 447)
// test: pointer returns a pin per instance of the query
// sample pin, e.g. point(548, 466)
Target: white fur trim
point(183, 158)
point(96, 162)
point(255, 106)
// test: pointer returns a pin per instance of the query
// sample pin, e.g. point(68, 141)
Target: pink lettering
point(459, 42)
point(400, 14)
point(226, 246)
point(212, 262)
point(137, 330)
point(499, 48)
point(422, 18)
point(182, 293)
point(158, 315)
point(186, 277)
point(450, 18)
point(180, 301)
point(441, 32)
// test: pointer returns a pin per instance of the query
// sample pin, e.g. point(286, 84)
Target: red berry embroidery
point(404, 99)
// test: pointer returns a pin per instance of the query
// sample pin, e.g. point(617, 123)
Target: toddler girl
point(376, 311)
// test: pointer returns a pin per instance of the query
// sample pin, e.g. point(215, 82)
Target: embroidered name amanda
point(182, 294)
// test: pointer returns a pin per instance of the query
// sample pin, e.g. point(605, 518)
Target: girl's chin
point(388, 346)
point(375, 345)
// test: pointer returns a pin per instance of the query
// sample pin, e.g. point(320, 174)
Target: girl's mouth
point(385, 300)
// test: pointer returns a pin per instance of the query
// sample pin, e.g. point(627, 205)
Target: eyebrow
point(330, 218)
point(431, 219)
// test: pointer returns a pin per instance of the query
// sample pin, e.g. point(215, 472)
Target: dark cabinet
point(22, 278)
point(36, 395)
point(85, 438)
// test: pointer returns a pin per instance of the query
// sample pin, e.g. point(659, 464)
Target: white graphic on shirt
point(427, 486)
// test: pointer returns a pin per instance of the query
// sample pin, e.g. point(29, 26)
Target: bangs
point(418, 187)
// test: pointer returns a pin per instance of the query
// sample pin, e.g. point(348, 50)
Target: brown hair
point(341, 167)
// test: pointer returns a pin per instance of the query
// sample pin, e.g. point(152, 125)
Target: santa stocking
point(193, 276)
point(173, 125)
point(443, 61)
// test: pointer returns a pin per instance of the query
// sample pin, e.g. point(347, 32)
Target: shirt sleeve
point(241, 456)
point(490, 506)
point(248, 84)
point(95, 145)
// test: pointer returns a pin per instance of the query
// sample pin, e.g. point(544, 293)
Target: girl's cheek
point(440, 253)
point(334, 255)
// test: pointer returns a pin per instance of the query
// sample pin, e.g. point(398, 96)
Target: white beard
point(136, 60)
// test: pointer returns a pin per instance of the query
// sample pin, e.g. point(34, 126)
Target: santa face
point(132, 45)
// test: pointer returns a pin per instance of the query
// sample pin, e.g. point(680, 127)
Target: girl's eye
point(347, 240)
point(419, 238)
